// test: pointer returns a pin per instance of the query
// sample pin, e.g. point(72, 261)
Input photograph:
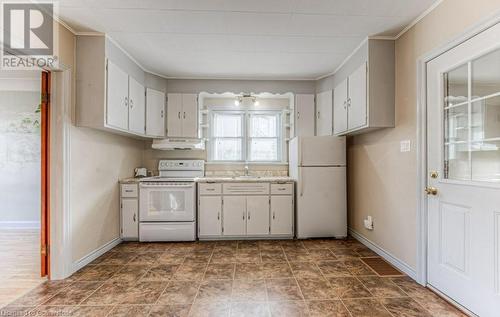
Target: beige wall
point(98, 161)
point(382, 181)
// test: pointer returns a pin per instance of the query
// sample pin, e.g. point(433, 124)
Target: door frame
point(421, 143)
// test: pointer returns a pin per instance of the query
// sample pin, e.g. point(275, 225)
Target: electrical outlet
point(368, 222)
point(405, 146)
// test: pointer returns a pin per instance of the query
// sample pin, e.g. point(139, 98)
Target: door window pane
point(264, 149)
point(227, 149)
point(457, 163)
point(486, 75)
point(486, 161)
point(456, 86)
point(486, 119)
point(456, 124)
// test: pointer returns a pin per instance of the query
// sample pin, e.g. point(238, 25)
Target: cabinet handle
point(161, 113)
point(274, 215)
point(318, 115)
point(131, 104)
point(134, 218)
point(282, 188)
point(345, 104)
point(184, 115)
point(179, 115)
point(126, 101)
point(210, 189)
point(129, 191)
point(248, 215)
point(243, 215)
point(349, 102)
point(298, 115)
point(218, 215)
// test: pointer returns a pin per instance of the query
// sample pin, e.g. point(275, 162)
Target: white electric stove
point(167, 203)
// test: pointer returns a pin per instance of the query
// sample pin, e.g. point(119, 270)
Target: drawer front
point(245, 188)
point(129, 190)
point(281, 189)
point(209, 189)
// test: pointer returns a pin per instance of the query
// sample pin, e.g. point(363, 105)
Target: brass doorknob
point(431, 191)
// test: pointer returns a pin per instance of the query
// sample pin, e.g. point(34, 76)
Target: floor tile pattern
point(233, 278)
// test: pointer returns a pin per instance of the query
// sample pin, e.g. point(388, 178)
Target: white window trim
point(246, 138)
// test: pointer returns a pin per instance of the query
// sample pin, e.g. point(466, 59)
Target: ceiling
point(257, 39)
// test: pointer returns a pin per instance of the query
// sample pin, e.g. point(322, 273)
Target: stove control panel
point(181, 165)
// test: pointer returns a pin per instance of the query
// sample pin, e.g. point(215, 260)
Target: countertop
point(265, 179)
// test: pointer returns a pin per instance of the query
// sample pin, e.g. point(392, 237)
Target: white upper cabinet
point(117, 97)
point(324, 113)
point(182, 115)
point(110, 91)
point(155, 113)
point(304, 116)
point(340, 108)
point(356, 101)
point(364, 95)
point(137, 107)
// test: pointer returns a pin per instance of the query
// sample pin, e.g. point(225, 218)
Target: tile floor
point(230, 278)
point(19, 263)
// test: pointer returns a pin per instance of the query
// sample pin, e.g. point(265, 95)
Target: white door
point(190, 115)
point(155, 113)
point(321, 202)
point(137, 107)
point(340, 108)
point(257, 215)
point(324, 113)
point(210, 214)
point(282, 215)
point(116, 97)
point(357, 106)
point(130, 219)
point(174, 115)
point(463, 117)
point(304, 115)
point(234, 215)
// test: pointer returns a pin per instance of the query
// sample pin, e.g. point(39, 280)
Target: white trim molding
point(400, 265)
point(95, 254)
point(20, 225)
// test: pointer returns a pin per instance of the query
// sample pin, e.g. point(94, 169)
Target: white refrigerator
point(318, 165)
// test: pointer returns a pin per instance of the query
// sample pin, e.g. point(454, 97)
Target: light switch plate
point(405, 146)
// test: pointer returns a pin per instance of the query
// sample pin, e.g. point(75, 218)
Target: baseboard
point(400, 265)
point(95, 254)
point(19, 224)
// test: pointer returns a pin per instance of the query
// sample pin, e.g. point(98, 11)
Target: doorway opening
point(24, 185)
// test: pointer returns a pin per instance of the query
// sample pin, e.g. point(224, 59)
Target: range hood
point(178, 144)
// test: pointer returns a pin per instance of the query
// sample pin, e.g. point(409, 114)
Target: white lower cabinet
point(234, 215)
point(239, 210)
point(281, 217)
point(129, 212)
point(211, 218)
point(257, 215)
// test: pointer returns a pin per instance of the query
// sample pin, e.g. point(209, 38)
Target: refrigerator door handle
point(301, 181)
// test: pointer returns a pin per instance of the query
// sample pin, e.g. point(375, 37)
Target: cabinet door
point(116, 97)
point(257, 215)
point(304, 116)
point(174, 115)
point(324, 113)
point(282, 215)
point(130, 218)
point(210, 211)
point(357, 116)
point(340, 108)
point(234, 215)
point(155, 113)
point(137, 107)
point(190, 115)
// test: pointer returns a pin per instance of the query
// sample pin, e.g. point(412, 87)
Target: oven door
point(164, 202)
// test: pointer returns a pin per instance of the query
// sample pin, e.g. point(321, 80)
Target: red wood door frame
point(45, 176)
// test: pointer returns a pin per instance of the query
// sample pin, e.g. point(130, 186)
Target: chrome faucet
point(246, 169)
